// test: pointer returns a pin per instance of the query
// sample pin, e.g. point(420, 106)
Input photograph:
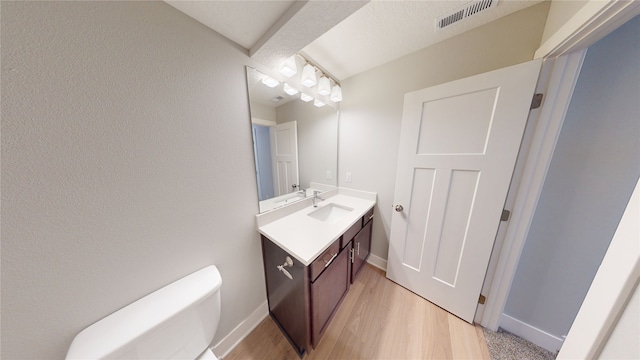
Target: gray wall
point(371, 113)
point(591, 177)
point(125, 135)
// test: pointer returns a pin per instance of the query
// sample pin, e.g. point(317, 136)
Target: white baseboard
point(528, 332)
point(378, 262)
point(236, 335)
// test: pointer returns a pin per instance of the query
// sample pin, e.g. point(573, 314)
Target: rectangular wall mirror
point(295, 143)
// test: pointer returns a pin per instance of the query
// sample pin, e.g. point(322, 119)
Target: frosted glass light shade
point(288, 68)
point(318, 103)
point(308, 78)
point(290, 90)
point(269, 81)
point(306, 98)
point(336, 94)
point(324, 86)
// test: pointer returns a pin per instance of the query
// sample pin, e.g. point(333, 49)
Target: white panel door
point(458, 146)
point(284, 157)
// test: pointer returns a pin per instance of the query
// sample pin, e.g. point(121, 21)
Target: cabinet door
point(287, 304)
point(326, 292)
point(361, 249)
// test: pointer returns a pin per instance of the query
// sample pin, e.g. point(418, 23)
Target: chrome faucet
point(302, 192)
point(316, 197)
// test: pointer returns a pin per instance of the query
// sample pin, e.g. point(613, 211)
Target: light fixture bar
point(308, 78)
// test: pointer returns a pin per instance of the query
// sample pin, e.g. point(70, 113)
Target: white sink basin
point(330, 212)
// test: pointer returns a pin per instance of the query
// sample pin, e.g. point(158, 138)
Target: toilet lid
point(207, 355)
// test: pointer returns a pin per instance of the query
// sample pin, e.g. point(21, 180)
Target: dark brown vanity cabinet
point(303, 299)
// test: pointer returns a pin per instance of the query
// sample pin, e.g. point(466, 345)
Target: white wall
point(371, 112)
point(317, 140)
point(560, 12)
point(591, 176)
point(263, 112)
point(126, 164)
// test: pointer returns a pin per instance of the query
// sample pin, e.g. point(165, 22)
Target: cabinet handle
point(287, 262)
point(285, 272)
point(351, 255)
point(371, 217)
point(358, 248)
point(326, 263)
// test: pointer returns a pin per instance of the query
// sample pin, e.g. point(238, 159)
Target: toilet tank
point(177, 321)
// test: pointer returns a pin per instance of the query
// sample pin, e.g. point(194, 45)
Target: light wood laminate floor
point(378, 319)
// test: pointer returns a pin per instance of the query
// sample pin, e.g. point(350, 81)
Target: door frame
point(611, 290)
point(563, 54)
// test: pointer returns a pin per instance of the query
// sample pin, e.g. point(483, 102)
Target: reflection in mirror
point(295, 144)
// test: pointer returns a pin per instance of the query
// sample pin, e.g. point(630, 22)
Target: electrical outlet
point(328, 175)
point(348, 177)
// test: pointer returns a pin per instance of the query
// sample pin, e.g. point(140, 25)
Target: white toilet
point(178, 321)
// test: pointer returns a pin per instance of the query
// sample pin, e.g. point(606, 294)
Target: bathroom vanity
point(311, 257)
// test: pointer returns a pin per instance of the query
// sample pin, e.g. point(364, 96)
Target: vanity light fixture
point(308, 76)
point(270, 82)
point(336, 93)
point(289, 68)
point(318, 103)
point(324, 86)
point(290, 90)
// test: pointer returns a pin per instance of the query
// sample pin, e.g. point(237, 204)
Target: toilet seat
point(207, 355)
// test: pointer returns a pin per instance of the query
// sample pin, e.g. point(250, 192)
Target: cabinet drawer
point(367, 217)
point(324, 260)
point(350, 233)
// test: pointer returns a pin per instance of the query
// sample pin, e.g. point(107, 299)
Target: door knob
point(399, 208)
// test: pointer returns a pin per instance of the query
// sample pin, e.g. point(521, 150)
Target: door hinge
point(482, 299)
point(505, 215)
point(537, 101)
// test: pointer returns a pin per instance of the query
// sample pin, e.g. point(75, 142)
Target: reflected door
point(262, 155)
point(459, 143)
point(284, 157)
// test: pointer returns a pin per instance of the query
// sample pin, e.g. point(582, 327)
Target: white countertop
point(305, 237)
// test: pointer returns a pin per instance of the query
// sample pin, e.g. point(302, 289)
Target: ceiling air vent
point(463, 12)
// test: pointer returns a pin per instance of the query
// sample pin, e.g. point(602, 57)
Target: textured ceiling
point(244, 22)
point(383, 31)
point(344, 38)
